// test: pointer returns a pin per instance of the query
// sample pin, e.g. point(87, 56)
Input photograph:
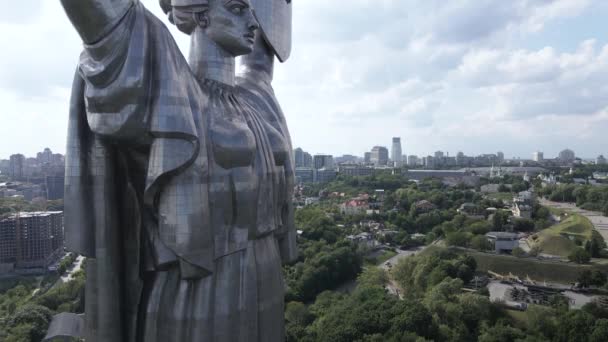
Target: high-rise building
point(17, 162)
point(302, 158)
point(54, 187)
point(367, 158)
point(323, 161)
point(31, 239)
point(379, 156)
point(412, 160)
point(307, 159)
point(396, 152)
point(538, 156)
point(500, 157)
point(298, 155)
point(600, 160)
point(567, 156)
point(45, 156)
point(439, 155)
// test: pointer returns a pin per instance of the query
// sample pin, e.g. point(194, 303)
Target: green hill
point(563, 238)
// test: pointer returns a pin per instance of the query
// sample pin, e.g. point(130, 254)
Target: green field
point(557, 272)
point(560, 239)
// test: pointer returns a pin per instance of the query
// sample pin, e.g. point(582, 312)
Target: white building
point(396, 152)
point(538, 156)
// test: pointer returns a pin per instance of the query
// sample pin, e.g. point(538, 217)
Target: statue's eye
point(238, 9)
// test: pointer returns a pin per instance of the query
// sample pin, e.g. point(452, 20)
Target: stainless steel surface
point(178, 181)
point(275, 20)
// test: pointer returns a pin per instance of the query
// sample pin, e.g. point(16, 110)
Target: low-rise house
point(503, 242)
point(311, 200)
point(424, 206)
point(354, 207)
point(363, 239)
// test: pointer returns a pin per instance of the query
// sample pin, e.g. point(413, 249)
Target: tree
point(373, 276)
point(580, 256)
point(598, 278)
point(501, 333)
point(518, 252)
point(33, 319)
point(600, 331)
point(481, 243)
point(574, 326)
point(460, 239)
point(585, 278)
point(412, 316)
point(523, 225)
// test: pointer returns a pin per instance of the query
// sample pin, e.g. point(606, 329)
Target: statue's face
point(232, 26)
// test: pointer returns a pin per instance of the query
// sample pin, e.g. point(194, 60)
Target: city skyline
point(461, 81)
point(405, 153)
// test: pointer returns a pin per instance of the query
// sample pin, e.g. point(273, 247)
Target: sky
point(477, 76)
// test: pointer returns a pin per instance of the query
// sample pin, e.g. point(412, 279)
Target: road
point(68, 276)
point(600, 222)
point(401, 254)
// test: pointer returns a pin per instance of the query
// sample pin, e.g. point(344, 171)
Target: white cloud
point(442, 74)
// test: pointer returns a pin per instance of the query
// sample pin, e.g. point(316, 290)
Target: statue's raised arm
point(95, 18)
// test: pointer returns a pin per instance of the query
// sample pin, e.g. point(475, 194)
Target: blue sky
point(476, 76)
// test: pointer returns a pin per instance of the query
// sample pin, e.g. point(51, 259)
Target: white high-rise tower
point(396, 152)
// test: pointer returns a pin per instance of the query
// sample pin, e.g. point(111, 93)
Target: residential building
point(355, 170)
point(567, 156)
point(346, 159)
point(355, 206)
point(54, 187)
point(396, 152)
point(323, 161)
point(31, 239)
point(16, 167)
point(304, 175)
point(325, 175)
point(379, 156)
point(500, 157)
point(302, 158)
point(298, 155)
point(412, 160)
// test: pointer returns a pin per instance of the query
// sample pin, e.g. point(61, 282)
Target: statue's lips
point(250, 37)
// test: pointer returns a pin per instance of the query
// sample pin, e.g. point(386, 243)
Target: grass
point(560, 239)
point(550, 271)
point(504, 196)
point(385, 256)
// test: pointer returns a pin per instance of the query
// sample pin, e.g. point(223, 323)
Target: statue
point(179, 175)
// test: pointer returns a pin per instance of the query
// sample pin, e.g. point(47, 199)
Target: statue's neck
point(209, 61)
point(259, 64)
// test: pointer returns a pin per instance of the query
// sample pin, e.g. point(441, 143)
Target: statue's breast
point(233, 143)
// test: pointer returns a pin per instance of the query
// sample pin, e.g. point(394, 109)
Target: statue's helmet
point(167, 5)
point(274, 17)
